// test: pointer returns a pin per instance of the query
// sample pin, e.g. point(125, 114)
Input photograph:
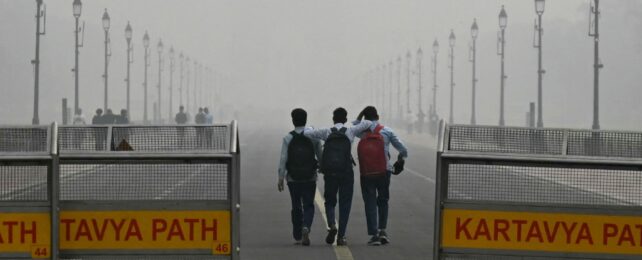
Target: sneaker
point(342, 241)
point(383, 237)
point(297, 242)
point(306, 236)
point(332, 234)
point(374, 241)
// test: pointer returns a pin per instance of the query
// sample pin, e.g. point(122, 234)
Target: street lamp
point(130, 60)
point(501, 41)
point(594, 24)
point(408, 60)
point(451, 43)
point(390, 88)
point(160, 70)
point(146, 45)
point(171, 81)
point(106, 24)
point(187, 76)
point(77, 9)
point(474, 32)
point(539, 9)
point(399, 106)
point(181, 58)
point(433, 109)
point(420, 113)
point(36, 61)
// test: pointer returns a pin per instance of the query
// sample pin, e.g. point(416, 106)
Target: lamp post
point(36, 61)
point(187, 76)
point(106, 24)
point(501, 41)
point(408, 58)
point(474, 31)
point(130, 60)
point(384, 70)
point(539, 9)
point(399, 107)
point(196, 75)
point(390, 88)
point(146, 45)
point(77, 9)
point(420, 113)
point(433, 110)
point(597, 65)
point(160, 71)
point(181, 59)
point(451, 43)
point(171, 82)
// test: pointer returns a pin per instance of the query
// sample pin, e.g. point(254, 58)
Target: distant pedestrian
point(78, 134)
point(298, 165)
point(109, 118)
point(100, 135)
point(209, 131)
point(209, 118)
point(376, 169)
point(123, 118)
point(181, 117)
point(199, 119)
point(336, 165)
point(97, 119)
point(79, 119)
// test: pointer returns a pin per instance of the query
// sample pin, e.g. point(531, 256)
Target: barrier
point(126, 192)
point(533, 193)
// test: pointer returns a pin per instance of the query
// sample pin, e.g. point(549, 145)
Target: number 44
point(40, 251)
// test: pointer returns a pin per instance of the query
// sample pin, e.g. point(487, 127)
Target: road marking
point(431, 180)
point(342, 252)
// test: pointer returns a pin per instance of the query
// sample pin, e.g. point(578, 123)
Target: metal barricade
point(149, 192)
point(27, 169)
point(535, 193)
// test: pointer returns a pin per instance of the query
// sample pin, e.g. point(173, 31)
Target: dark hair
point(340, 115)
point(299, 117)
point(370, 113)
point(99, 111)
point(200, 109)
point(181, 107)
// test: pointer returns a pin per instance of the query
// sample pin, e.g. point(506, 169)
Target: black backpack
point(337, 157)
point(301, 164)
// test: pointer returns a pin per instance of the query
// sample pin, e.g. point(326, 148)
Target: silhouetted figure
point(109, 118)
point(200, 117)
point(97, 119)
point(209, 131)
point(181, 117)
point(78, 135)
point(123, 118)
point(209, 118)
point(100, 135)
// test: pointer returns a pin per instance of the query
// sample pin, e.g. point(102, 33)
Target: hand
point(399, 157)
point(398, 166)
point(280, 185)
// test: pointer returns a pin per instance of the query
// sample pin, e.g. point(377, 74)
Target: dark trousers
point(302, 195)
point(376, 193)
point(344, 187)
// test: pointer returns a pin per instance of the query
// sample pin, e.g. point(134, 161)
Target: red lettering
point(133, 230)
point(550, 236)
point(569, 231)
point(609, 230)
point(640, 228)
point(534, 232)
point(519, 224)
point(482, 230)
point(24, 232)
point(175, 230)
point(501, 229)
point(67, 224)
point(83, 230)
point(584, 234)
point(206, 229)
point(462, 227)
point(158, 225)
point(191, 222)
point(117, 227)
point(100, 233)
point(626, 235)
point(10, 225)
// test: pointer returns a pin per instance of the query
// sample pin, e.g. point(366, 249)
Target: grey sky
point(285, 53)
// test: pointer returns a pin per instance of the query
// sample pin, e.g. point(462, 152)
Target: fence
point(533, 193)
point(126, 192)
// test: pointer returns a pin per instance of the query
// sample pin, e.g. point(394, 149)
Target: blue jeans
point(344, 187)
point(302, 195)
point(376, 193)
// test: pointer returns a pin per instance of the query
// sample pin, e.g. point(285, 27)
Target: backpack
point(337, 159)
point(301, 164)
point(372, 156)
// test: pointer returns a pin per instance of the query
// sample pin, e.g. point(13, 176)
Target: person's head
point(299, 117)
point(181, 108)
point(99, 111)
point(200, 110)
point(370, 113)
point(109, 111)
point(340, 115)
point(78, 111)
point(206, 110)
point(123, 112)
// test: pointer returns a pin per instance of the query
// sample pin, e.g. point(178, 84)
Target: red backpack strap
point(378, 128)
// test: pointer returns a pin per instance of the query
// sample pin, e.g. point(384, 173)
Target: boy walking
point(375, 168)
point(336, 165)
point(298, 164)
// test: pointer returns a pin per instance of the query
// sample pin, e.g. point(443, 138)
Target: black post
point(595, 12)
point(36, 64)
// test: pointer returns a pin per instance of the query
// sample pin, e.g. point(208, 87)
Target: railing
point(522, 193)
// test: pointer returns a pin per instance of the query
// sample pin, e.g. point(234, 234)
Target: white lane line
point(342, 252)
point(170, 190)
point(431, 180)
